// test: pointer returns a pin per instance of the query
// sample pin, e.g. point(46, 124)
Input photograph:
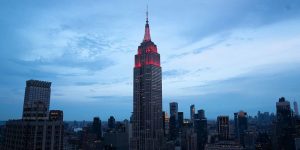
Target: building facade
point(223, 127)
point(147, 97)
point(39, 129)
point(240, 126)
point(285, 127)
point(192, 113)
point(36, 100)
point(174, 109)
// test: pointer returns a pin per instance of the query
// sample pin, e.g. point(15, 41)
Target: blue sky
point(222, 56)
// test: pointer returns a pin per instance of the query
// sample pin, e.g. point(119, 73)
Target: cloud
point(87, 50)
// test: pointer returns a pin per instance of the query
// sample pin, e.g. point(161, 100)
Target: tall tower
point(192, 112)
point(147, 96)
point(174, 109)
point(296, 108)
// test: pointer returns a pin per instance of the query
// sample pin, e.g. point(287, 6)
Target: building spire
point(147, 15)
point(147, 36)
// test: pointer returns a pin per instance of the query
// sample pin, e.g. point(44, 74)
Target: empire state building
point(147, 96)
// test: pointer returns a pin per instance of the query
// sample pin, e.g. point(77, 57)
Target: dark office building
point(36, 100)
point(180, 119)
point(118, 138)
point(192, 112)
point(223, 127)
point(285, 128)
point(164, 116)
point(111, 122)
point(147, 125)
point(174, 109)
point(201, 114)
point(56, 115)
point(35, 131)
point(173, 130)
point(241, 125)
point(28, 135)
point(200, 127)
point(97, 127)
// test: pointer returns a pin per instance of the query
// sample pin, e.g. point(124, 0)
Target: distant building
point(36, 100)
point(180, 119)
point(38, 129)
point(97, 128)
point(56, 115)
point(173, 130)
point(174, 109)
point(165, 120)
point(285, 129)
point(200, 128)
point(118, 138)
point(241, 125)
point(223, 127)
point(188, 139)
point(296, 108)
point(192, 112)
point(111, 122)
point(224, 145)
point(263, 142)
point(201, 114)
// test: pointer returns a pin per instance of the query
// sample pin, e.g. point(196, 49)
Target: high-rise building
point(200, 127)
point(174, 109)
point(118, 138)
point(296, 108)
point(173, 130)
point(111, 122)
point(192, 112)
point(164, 117)
point(180, 119)
point(147, 96)
point(201, 114)
point(97, 127)
point(166, 120)
point(56, 115)
point(223, 127)
point(35, 131)
point(36, 100)
point(284, 125)
point(241, 125)
point(91, 135)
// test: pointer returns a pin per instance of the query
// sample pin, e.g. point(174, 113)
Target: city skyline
point(243, 63)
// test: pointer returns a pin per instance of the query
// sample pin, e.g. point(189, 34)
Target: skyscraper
point(111, 122)
point(223, 127)
point(97, 128)
point(284, 125)
point(36, 100)
point(180, 119)
point(241, 125)
point(296, 108)
point(192, 112)
point(200, 127)
point(174, 109)
point(201, 113)
point(39, 128)
point(147, 96)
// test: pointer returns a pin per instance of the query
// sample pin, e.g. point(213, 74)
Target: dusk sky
point(221, 55)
